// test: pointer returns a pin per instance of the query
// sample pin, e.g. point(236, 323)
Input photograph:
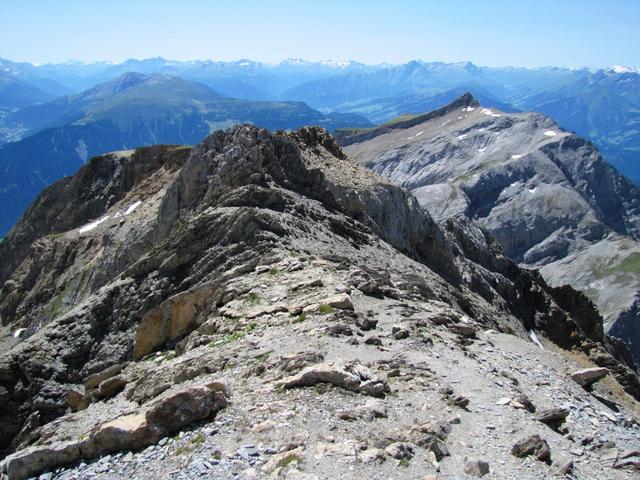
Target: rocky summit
point(545, 194)
point(262, 306)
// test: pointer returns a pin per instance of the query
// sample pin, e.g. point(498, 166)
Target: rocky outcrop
point(131, 431)
point(546, 195)
point(352, 377)
point(211, 266)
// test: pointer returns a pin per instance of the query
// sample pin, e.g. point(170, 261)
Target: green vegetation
point(273, 271)
point(629, 264)
point(300, 318)
point(294, 457)
point(321, 388)
point(228, 338)
point(405, 462)
point(164, 357)
point(199, 439)
point(623, 270)
point(323, 308)
point(398, 119)
point(253, 298)
point(183, 450)
point(233, 336)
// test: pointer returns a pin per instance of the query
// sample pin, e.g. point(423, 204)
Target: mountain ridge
point(178, 269)
point(547, 195)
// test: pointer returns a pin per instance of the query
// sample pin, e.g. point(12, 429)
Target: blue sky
point(518, 32)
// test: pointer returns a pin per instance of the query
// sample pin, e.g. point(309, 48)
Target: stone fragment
point(400, 450)
point(365, 324)
point(554, 417)
point(563, 469)
point(372, 455)
point(373, 341)
point(349, 376)
point(307, 284)
point(111, 386)
point(92, 381)
point(465, 329)
point(475, 467)
point(341, 301)
point(588, 376)
point(534, 446)
point(437, 447)
point(399, 332)
point(283, 458)
point(76, 398)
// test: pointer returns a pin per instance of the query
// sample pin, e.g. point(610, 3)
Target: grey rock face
point(164, 285)
point(546, 195)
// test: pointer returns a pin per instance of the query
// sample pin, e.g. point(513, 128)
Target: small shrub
point(253, 298)
point(300, 318)
point(405, 462)
point(321, 388)
point(323, 308)
point(183, 450)
point(199, 439)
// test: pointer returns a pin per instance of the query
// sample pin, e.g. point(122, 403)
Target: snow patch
point(550, 133)
point(418, 134)
point(482, 149)
point(486, 111)
point(19, 332)
point(469, 109)
point(132, 207)
point(533, 190)
point(515, 157)
point(460, 137)
point(90, 226)
point(534, 338)
point(460, 117)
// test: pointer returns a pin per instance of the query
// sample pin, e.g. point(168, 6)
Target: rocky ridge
point(310, 306)
point(545, 194)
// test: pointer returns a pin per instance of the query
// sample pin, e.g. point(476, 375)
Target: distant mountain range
point(57, 137)
point(61, 114)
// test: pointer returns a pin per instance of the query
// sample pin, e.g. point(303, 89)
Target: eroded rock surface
point(232, 275)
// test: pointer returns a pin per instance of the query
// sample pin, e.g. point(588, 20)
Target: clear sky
point(487, 32)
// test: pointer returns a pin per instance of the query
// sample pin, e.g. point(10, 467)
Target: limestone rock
point(475, 467)
point(348, 376)
point(400, 451)
point(587, 376)
point(128, 432)
point(533, 446)
point(554, 417)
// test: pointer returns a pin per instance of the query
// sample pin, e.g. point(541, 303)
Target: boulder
point(341, 301)
point(587, 376)
point(400, 451)
point(92, 381)
point(475, 467)
point(132, 431)
point(563, 469)
point(283, 458)
point(534, 446)
point(354, 377)
point(554, 417)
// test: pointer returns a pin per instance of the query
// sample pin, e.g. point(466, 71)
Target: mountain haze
point(133, 110)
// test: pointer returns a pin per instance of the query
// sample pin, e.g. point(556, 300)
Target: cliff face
point(546, 195)
point(151, 262)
